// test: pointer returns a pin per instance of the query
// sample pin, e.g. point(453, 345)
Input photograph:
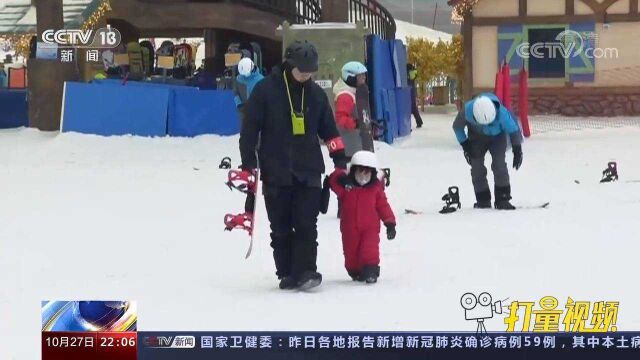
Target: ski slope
point(87, 217)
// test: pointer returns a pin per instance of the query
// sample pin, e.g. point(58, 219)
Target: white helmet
point(365, 159)
point(484, 110)
point(245, 67)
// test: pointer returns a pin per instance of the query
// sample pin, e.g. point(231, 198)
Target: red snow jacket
point(345, 97)
point(363, 207)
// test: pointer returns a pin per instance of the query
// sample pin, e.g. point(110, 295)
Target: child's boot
point(370, 273)
point(355, 275)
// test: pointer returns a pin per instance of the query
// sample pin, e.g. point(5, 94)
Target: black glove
point(391, 231)
point(339, 159)
point(517, 156)
point(345, 181)
point(466, 147)
point(325, 196)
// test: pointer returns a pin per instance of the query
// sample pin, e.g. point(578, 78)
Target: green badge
point(297, 120)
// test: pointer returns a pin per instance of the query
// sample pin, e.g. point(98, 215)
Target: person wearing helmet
point(289, 113)
point(488, 124)
point(412, 74)
point(353, 74)
point(248, 77)
point(364, 206)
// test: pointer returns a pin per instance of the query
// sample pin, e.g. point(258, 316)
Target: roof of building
point(406, 29)
point(19, 16)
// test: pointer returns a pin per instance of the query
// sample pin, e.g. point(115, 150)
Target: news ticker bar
point(234, 345)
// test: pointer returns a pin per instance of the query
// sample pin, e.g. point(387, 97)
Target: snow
point(88, 217)
point(407, 29)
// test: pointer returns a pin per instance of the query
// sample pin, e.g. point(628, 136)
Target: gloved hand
point(466, 147)
point(339, 159)
point(517, 156)
point(248, 169)
point(336, 152)
point(345, 181)
point(391, 231)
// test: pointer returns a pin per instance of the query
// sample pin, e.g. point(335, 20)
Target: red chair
point(17, 78)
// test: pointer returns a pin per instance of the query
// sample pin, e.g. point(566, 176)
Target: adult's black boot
point(309, 280)
point(288, 283)
point(483, 200)
point(503, 195)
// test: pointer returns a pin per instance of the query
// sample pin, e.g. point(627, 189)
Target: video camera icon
point(479, 309)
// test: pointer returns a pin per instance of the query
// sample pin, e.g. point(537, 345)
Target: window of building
point(547, 61)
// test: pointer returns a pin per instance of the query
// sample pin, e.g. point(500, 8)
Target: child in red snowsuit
point(364, 205)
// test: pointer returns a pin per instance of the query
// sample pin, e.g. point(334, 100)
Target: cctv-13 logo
point(546, 317)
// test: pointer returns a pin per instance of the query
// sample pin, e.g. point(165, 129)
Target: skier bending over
point(289, 112)
point(248, 77)
point(364, 205)
point(488, 122)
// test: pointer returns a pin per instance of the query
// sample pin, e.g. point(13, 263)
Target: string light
point(20, 43)
point(97, 15)
point(462, 9)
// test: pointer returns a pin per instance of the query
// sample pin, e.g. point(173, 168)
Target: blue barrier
point(13, 109)
point(115, 110)
point(403, 109)
point(400, 62)
point(203, 112)
point(142, 84)
point(107, 107)
point(387, 67)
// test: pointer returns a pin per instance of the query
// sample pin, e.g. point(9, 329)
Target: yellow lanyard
point(286, 82)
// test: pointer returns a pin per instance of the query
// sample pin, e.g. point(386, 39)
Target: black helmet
point(303, 55)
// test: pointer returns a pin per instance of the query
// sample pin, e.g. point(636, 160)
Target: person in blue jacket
point(3, 77)
point(248, 77)
point(488, 125)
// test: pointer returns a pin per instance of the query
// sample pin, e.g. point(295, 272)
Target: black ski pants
point(415, 111)
point(293, 214)
point(497, 147)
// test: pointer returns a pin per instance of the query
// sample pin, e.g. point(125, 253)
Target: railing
point(375, 16)
point(295, 11)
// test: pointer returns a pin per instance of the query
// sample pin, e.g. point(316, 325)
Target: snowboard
point(250, 185)
point(525, 207)
point(364, 117)
point(257, 195)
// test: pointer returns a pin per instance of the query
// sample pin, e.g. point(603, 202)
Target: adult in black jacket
point(287, 114)
point(412, 73)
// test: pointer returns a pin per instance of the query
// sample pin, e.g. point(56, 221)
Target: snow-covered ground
point(87, 217)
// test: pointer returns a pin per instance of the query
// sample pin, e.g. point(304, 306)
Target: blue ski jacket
point(505, 122)
point(246, 85)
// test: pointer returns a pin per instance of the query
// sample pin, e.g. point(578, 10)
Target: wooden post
point(48, 15)
point(467, 33)
point(47, 77)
